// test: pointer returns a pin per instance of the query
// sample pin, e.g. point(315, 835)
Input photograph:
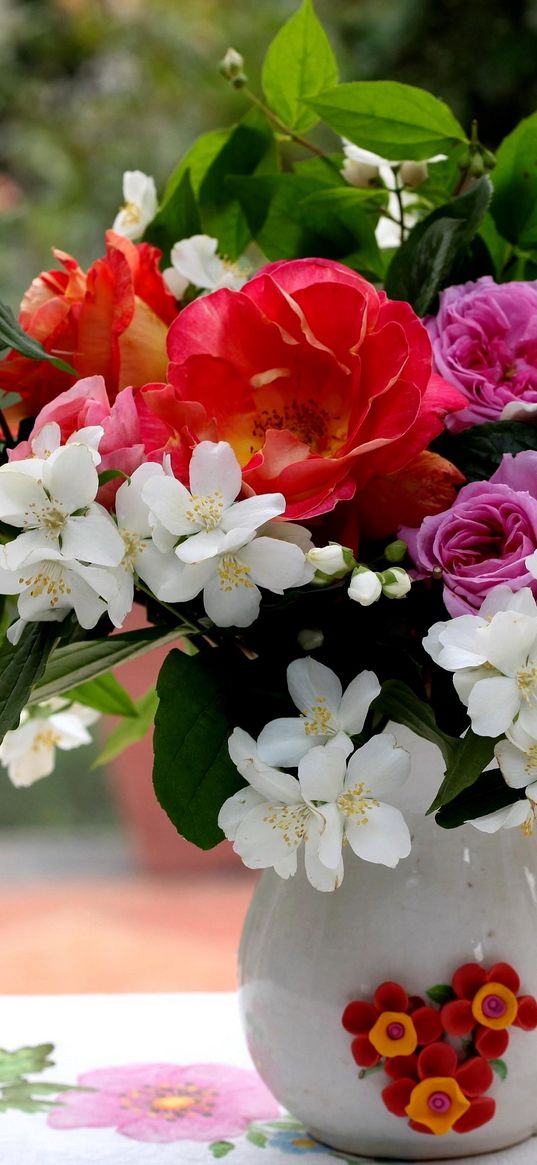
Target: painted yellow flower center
point(233, 574)
point(495, 1006)
point(394, 1034)
point(437, 1103)
point(206, 510)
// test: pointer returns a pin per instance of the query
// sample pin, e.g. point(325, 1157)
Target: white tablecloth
point(162, 1080)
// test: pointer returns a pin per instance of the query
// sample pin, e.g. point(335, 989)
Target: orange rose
point(111, 320)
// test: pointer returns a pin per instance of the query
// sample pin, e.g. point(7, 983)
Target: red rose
point(111, 320)
point(318, 382)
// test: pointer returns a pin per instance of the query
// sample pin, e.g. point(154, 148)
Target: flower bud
point(359, 174)
point(232, 68)
point(396, 551)
point(395, 583)
point(413, 174)
point(365, 587)
point(310, 638)
point(332, 560)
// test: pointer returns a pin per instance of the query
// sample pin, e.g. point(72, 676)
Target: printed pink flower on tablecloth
point(167, 1102)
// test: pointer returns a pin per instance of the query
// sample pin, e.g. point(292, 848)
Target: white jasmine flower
point(365, 587)
point(363, 167)
point(218, 544)
point(395, 583)
point(52, 500)
point(159, 569)
point(49, 588)
point(326, 711)
point(494, 656)
point(140, 207)
point(195, 261)
point(29, 751)
point(331, 802)
point(332, 559)
point(49, 438)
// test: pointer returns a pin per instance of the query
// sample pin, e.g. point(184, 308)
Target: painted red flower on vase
point(395, 1024)
point(439, 1094)
point(318, 382)
point(167, 1102)
point(489, 1002)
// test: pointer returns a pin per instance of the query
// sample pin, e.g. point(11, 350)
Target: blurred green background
point(89, 88)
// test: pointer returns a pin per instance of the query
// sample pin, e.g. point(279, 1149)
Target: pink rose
point(87, 403)
point(485, 536)
point(484, 341)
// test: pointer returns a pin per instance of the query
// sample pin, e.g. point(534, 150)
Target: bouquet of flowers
point(292, 412)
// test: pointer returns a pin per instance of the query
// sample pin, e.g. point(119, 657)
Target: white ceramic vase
point(461, 896)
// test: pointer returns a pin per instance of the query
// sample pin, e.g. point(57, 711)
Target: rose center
point(395, 1031)
point(439, 1102)
point(494, 1007)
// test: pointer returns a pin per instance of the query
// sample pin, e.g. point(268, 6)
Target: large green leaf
point(487, 794)
point(23, 1061)
point(76, 663)
point(196, 162)
point(299, 63)
point(13, 336)
point(478, 451)
point(178, 217)
point(105, 694)
point(514, 208)
point(193, 774)
point(394, 120)
point(131, 730)
point(399, 703)
point(250, 148)
point(426, 261)
point(472, 756)
point(20, 668)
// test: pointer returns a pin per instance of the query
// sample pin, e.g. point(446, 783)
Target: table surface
point(145, 1079)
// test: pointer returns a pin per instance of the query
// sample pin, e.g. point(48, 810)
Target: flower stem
point(290, 133)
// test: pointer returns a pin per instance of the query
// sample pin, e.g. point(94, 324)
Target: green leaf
point(514, 207)
point(221, 1148)
point(24, 1061)
point(488, 794)
point(131, 731)
point(193, 774)
point(196, 162)
point(400, 704)
point(394, 120)
point(441, 993)
point(478, 451)
point(473, 754)
point(13, 336)
point(178, 217)
point(427, 259)
point(111, 474)
point(20, 668)
point(257, 1138)
point(500, 1068)
point(299, 64)
point(251, 148)
point(75, 663)
point(106, 695)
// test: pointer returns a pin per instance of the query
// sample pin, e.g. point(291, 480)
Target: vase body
point(460, 897)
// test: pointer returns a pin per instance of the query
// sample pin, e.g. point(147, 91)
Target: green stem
point(187, 626)
point(290, 133)
point(398, 194)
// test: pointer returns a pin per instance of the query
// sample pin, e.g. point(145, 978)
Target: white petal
point(269, 833)
point(288, 867)
point(196, 260)
point(27, 546)
point(214, 470)
point(271, 783)
point(235, 808)
point(132, 511)
point(170, 501)
point(70, 729)
point(253, 512)
point(162, 573)
point(320, 876)
point(507, 640)
point(93, 537)
point(175, 282)
point(321, 773)
point(122, 602)
point(356, 701)
point(331, 836)
point(285, 741)
point(380, 765)
point(273, 564)
point(70, 477)
point(310, 681)
point(242, 746)
point(47, 439)
point(202, 546)
point(289, 532)
point(493, 705)
point(385, 838)
point(465, 680)
point(233, 606)
point(183, 587)
point(21, 496)
point(454, 645)
point(508, 818)
point(518, 768)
